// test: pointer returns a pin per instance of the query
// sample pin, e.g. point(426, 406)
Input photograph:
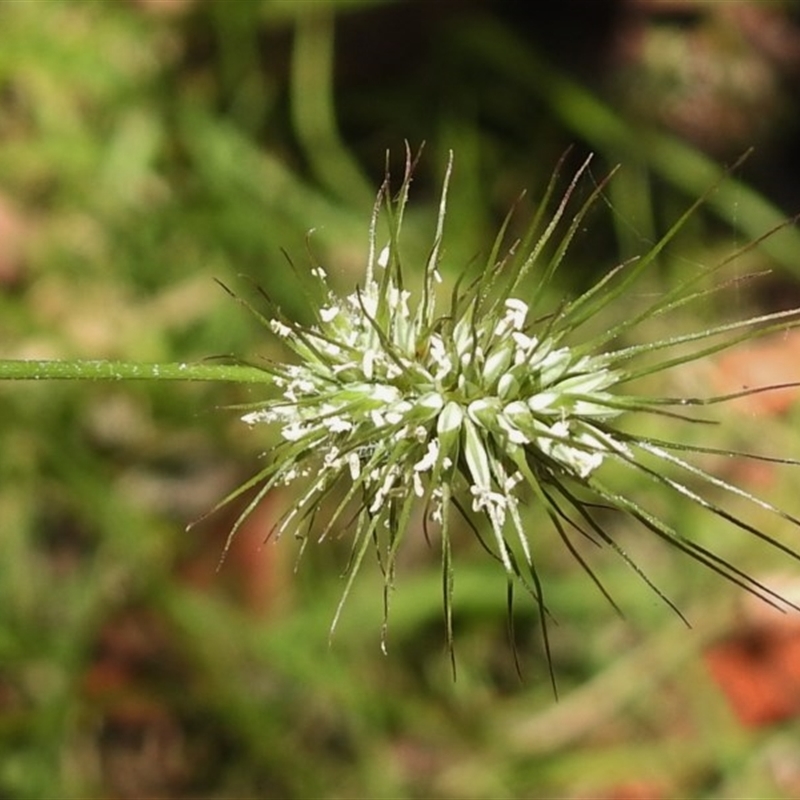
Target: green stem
point(129, 370)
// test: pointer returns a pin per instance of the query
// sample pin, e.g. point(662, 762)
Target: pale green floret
point(449, 422)
point(405, 409)
point(486, 381)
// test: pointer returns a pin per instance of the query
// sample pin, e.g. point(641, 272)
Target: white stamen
point(328, 313)
point(428, 461)
point(279, 329)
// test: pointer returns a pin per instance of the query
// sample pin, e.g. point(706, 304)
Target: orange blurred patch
point(774, 360)
point(14, 231)
point(758, 666)
point(632, 790)
point(251, 572)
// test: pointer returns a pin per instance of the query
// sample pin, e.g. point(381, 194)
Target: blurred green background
point(150, 146)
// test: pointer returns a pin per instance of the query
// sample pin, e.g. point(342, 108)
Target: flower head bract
point(479, 402)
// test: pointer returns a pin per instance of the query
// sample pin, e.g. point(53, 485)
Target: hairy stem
point(129, 370)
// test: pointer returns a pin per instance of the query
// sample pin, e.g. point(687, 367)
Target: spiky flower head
point(480, 403)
